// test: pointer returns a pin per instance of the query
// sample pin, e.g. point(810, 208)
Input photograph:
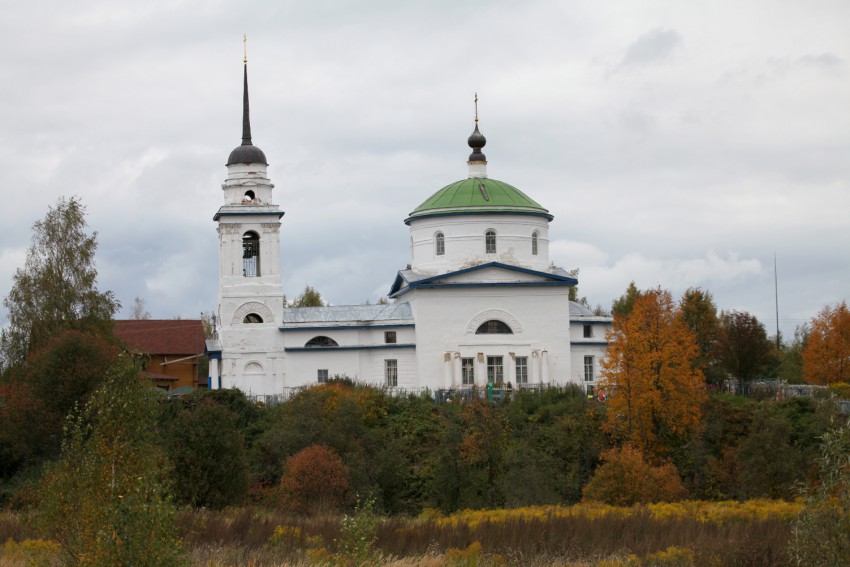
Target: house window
point(588, 331)
point(323, 375)
point(467, 369)
point(440, 244)
point(522, 370)
point(321, 342)
point(391, 372)
point(389, 337)
point(495, 371)
point(490, 241)
point(588, 369)
point(494, 327)
point(534, 243)
point(250, 255)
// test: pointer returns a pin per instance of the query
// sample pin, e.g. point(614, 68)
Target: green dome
point(478, 195)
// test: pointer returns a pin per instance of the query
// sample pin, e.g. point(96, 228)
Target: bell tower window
point(250, 255)
point(490, 241)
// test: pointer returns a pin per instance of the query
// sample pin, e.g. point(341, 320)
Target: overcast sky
point(677, 144)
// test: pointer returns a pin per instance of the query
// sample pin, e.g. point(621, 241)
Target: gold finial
point(476, 109)
point(244, 48)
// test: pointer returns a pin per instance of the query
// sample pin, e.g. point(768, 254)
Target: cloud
point(653, 46)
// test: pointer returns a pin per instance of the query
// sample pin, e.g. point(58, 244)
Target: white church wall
point(465, 246)
point(447, 318)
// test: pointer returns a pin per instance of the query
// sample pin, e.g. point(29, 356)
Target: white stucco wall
point(465, 246)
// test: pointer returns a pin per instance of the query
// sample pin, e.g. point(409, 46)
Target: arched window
point(439, 244)
point(250, 254)
point(534, 243)
point(321, 342)
point(252, 318)
point(494, 327)
point(490, 241)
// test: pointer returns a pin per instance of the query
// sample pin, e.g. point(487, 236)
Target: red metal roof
point(162, 336)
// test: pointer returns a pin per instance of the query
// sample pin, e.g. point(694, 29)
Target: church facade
point(479, 303)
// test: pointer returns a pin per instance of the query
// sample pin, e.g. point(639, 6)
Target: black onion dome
point(477, 141)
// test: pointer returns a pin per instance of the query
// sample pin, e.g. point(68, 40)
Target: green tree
point(573, 293)
point(106, 501)
point(791, 356)
point(821, 533)
point(743, 347)
point(623, 305)
point(56, 289)
point(208, 453)
point(310, 297)
point(700, 315)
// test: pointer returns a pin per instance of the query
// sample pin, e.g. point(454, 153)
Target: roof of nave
point(348, 313)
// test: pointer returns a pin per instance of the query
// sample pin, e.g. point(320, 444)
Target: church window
point(534, 243)
point(391, 372)
point(250, 255)
point(322, 375)
point(467, 368)
point(389, 337)
point(495, 371)
point(440, 244)
point(494, 327)
point(249, 196)
point(588, 369)
point(490, 241)
point(522, 370)
point(252, 318)
point(321, 342)
point(588, 331)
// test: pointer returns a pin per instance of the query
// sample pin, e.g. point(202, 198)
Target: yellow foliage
point(672, 556)
point(31, 552)
point(285, 536)
point(468, 557)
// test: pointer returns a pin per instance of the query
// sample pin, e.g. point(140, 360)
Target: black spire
point(247, 152)
point(477, 140)
point(246, 119)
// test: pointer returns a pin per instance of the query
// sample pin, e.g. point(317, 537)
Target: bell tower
point(250, 294)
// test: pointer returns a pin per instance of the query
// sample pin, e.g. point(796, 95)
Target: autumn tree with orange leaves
point(656, 390)
point(826, 356)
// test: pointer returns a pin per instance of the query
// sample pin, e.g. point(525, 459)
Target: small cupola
point(477, 160)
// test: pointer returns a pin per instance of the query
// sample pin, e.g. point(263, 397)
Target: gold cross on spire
point(245, 48)
point(476, 109)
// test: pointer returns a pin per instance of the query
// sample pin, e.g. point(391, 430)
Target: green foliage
point(821, 533)
point(622, 306)
point(359, 534)
point(105, 500)
point(743, 348)
point(310, 297)
point(56, 289)
point(207, 451)
point(60, 375)
point(791, 357)
point(768, 462)
point(699, 313)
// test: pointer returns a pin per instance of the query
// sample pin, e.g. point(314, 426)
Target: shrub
point(624, 478)
point(314, 480)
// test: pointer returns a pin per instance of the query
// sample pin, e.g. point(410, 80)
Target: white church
point(478, 303)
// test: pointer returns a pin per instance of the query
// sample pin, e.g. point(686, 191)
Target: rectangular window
point(490, 242)
point(588, 331)
point(495, 372)
point(391, 372)
point(588, 369)
point(467, 368)
point(389, 337)
point(522, 370)
point(323, 375)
